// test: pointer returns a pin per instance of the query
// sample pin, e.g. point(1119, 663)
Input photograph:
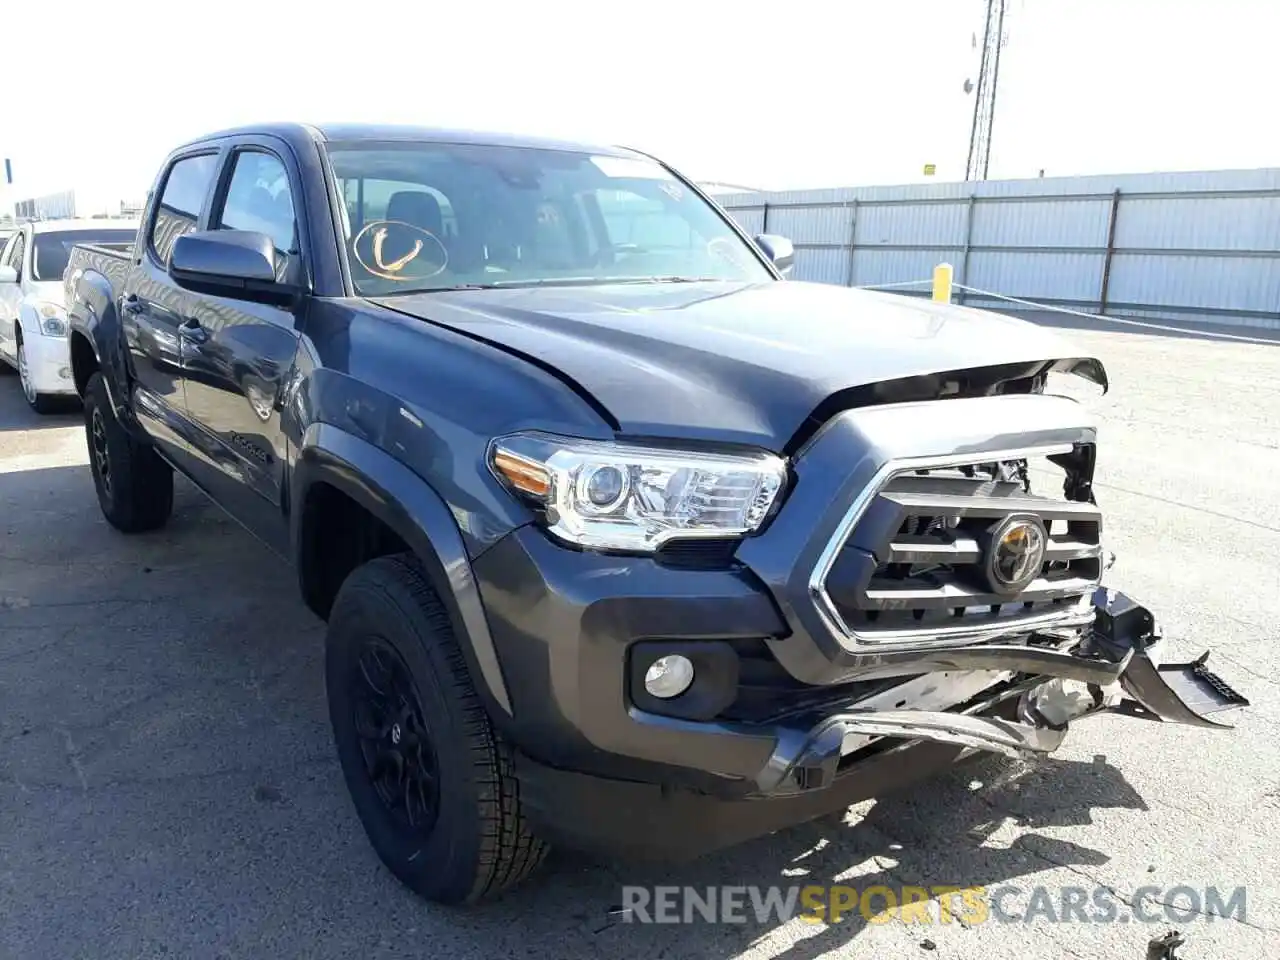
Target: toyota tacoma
point(623, 540)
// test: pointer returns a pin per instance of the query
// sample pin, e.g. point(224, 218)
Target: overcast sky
point(782, 94)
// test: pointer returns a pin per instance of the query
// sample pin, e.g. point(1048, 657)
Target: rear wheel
point(135, 487)
point(430, 778)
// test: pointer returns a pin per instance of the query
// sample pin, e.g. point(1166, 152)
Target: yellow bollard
point(942, 283)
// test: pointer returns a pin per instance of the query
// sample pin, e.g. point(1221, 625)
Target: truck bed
point(112, 260)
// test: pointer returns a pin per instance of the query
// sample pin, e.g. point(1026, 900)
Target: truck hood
point(735, 362)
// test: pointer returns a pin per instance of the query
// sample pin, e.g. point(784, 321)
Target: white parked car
point(33, 322)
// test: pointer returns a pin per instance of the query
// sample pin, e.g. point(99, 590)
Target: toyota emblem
point(1016, 554)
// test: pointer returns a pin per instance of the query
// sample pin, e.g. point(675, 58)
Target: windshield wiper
point(550, 282)
point(679, 280)
point(600, 281)
point(448, 289)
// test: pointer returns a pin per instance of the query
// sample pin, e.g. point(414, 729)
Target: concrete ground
point(168, 788)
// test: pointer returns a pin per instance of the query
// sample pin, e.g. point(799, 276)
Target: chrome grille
point(906, 568)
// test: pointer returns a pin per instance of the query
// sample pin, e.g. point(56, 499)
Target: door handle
point(191, 330)
point(132, 304)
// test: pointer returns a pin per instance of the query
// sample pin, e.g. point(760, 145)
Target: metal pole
point(1111, 249)
point(968, 242)
point(995, 89)
point(853, 240)
point(977, 97)
point(764, 219)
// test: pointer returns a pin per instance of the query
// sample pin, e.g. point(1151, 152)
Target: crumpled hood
point(729, 361)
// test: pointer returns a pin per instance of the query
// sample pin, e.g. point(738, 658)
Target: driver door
point(237, 355)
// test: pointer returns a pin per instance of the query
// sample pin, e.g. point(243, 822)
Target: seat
point(418, 209)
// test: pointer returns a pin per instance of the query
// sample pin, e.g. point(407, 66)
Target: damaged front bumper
point(1114, 670)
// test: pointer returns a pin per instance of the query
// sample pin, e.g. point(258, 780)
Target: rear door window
point(178, 211)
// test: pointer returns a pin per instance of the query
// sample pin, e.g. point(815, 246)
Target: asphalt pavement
point(168, 787)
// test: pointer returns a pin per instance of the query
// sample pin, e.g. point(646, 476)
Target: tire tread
point(509, 851)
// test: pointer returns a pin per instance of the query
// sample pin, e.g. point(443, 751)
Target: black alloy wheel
point(399, 757)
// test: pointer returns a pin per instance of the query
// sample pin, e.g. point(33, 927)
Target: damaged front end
point(1115, 670)
point(959, 563)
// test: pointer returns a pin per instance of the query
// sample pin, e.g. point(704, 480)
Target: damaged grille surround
point(908, 564)
point(843, 468)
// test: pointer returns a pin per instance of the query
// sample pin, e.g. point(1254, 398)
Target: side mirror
point(229, 263)
point(779, 250)
point(8, 274)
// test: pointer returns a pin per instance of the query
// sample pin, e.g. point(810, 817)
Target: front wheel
point(135, 487)
point(40, 402)
point(430, 778)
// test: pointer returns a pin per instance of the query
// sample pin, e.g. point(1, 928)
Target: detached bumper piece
point(1178, 693)
point(1111, 672)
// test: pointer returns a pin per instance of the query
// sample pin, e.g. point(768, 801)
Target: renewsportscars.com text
point(939, 904)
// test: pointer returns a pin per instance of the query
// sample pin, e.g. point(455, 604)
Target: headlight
point(614, 496)
point(52, 320)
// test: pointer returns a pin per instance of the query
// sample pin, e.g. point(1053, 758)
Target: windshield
point(52, 250)
point(426, 216)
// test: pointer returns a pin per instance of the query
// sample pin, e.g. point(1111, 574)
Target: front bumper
point(49, 364)
point(1114, 670)
point(853, 755)
point(564, 623)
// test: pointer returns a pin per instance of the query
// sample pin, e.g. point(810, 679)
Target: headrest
point(418, 208)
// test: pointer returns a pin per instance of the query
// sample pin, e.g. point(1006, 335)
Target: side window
point(258, 199)
point(179, 208)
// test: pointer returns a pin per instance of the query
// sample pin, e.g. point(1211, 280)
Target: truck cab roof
point(297, 133)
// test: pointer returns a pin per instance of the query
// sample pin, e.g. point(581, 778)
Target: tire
point(476, 844)
point(135, 487)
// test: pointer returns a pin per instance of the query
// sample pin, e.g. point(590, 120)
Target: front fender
point(408, 505)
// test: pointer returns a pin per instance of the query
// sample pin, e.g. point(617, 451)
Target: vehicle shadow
point(943, 832)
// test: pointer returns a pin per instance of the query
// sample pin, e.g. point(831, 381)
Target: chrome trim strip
point(882, 641)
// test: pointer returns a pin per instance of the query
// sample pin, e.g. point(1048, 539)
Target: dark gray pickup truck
point(623, 541)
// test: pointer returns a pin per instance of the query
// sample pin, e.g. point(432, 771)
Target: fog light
point(669, 676)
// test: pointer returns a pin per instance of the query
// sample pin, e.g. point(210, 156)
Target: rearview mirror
point(8, 274)
point(778, 249)
point(229, 263)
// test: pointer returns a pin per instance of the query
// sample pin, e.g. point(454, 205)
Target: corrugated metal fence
point(1198, 247)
